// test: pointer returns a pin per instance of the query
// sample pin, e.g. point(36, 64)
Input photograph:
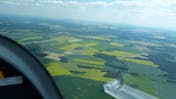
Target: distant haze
point(153, 13)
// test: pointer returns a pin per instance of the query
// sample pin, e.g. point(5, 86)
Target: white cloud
point(98, 3)
point(129, 11)
point(125, 3)
point(50, 1)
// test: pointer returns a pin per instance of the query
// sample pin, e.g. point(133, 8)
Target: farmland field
point(82, 57)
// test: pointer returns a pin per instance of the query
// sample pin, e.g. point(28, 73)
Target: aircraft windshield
point(102, 49)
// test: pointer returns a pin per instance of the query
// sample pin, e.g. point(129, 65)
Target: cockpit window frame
point(19, 57)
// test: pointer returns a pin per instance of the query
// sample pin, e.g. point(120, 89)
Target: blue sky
point(153, 13)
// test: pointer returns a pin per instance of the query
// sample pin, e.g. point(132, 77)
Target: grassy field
point(93, 62)
point(99, 38)
point(57, 69)
point(118, 53)
point(80, 88)
point(117, 44)
point(139, 61)
point(141, 82)
point(89, 51)
point(71, 46)
point(91, 44)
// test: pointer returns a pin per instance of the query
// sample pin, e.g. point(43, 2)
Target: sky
point(150, 13)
